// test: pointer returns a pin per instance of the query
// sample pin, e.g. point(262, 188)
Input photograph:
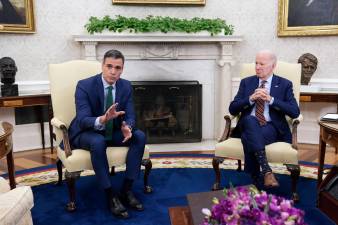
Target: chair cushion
point(80, 158)
point(278, 152)
point(4, 186)
point(16, 204)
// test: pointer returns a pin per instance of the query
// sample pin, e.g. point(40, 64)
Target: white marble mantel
point(169, 46)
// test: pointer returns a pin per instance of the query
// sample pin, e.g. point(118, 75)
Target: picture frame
point(17, 16)
point(164, 2)
point(307, 18)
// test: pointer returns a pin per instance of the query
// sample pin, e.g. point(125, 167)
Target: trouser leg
point(254, 138)
point(96, 144)
point(135, 153)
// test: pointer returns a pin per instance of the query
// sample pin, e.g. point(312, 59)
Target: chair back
point(290, 71)
point(63, 78)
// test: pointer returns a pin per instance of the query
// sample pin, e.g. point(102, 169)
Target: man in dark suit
point(105, 117)
point(262, 101)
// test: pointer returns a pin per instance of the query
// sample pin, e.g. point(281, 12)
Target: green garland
point(158, 23)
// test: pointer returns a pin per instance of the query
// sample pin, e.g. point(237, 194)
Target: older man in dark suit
point(105, 117)
point(262, 101)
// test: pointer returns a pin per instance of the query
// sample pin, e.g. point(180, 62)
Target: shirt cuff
point(98, 125)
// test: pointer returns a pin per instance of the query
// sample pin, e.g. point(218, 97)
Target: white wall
point(57, 21)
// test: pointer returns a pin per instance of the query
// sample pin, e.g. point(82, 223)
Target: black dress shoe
point(130, 199)
point(117, 208)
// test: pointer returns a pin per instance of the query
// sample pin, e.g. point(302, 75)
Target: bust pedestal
point(9, 90)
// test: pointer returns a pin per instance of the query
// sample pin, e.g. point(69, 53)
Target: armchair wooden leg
point(71, 178)
point(59, 169)
point(295, 172)
point(148, 165)
point(215, 164)
point(239, 164)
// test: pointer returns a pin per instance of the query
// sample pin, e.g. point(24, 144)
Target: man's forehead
point(113, 61)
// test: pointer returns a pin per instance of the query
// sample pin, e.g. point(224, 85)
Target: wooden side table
point(32, 100)
point(6, 149)
point(180, 215)
point(328, 135)
point(192, 214)
point(321, 96)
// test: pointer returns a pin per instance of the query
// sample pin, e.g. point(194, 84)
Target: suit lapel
point(254, 85)
point(274, 85)
point(118, 91)
point(100, 91)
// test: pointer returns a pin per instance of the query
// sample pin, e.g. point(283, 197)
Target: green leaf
point(267, 206)
point(158, 23)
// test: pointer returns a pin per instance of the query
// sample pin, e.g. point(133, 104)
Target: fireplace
point(208, 59)
point(169, 111)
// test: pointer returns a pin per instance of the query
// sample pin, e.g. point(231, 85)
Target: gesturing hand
point(126, 131)
point(111, 113)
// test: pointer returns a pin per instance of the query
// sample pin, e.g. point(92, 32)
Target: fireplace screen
point(169, 111)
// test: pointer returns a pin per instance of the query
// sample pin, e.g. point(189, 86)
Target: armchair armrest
point(227, 130)
point(297, 120)
point(57, 123)
point(63, 127)
point(294, 125)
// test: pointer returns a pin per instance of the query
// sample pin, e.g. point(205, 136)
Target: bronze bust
point(8, 70)
point(309, 66)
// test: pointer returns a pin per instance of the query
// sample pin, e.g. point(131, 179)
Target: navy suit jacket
point(284, 104)
point(89, 100)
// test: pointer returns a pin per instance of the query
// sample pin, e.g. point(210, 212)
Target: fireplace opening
point(169, 111)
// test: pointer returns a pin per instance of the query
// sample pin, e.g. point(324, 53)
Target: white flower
point(206, 212)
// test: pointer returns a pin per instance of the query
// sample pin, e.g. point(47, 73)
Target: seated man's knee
point(98, 143)
point(249, 121)
point(139, 137)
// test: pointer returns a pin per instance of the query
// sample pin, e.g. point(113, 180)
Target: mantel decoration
point(247, 206)
point(158, 24)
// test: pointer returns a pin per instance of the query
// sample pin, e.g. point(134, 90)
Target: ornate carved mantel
point(174, 47)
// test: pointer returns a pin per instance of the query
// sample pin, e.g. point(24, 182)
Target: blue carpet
point(170, 189)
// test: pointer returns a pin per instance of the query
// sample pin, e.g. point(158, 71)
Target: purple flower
point(247, 206)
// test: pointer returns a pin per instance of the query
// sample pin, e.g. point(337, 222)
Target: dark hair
point(115, 54)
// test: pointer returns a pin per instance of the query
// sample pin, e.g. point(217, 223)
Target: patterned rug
point(49, 174)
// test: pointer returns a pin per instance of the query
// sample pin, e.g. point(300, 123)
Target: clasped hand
point(260, 93)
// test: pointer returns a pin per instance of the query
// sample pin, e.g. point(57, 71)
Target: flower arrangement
point(158, 23)
point(247, 206)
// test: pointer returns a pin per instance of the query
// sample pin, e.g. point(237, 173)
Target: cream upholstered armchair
point(15, 204)
point(278, 152)
point(63, 79)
